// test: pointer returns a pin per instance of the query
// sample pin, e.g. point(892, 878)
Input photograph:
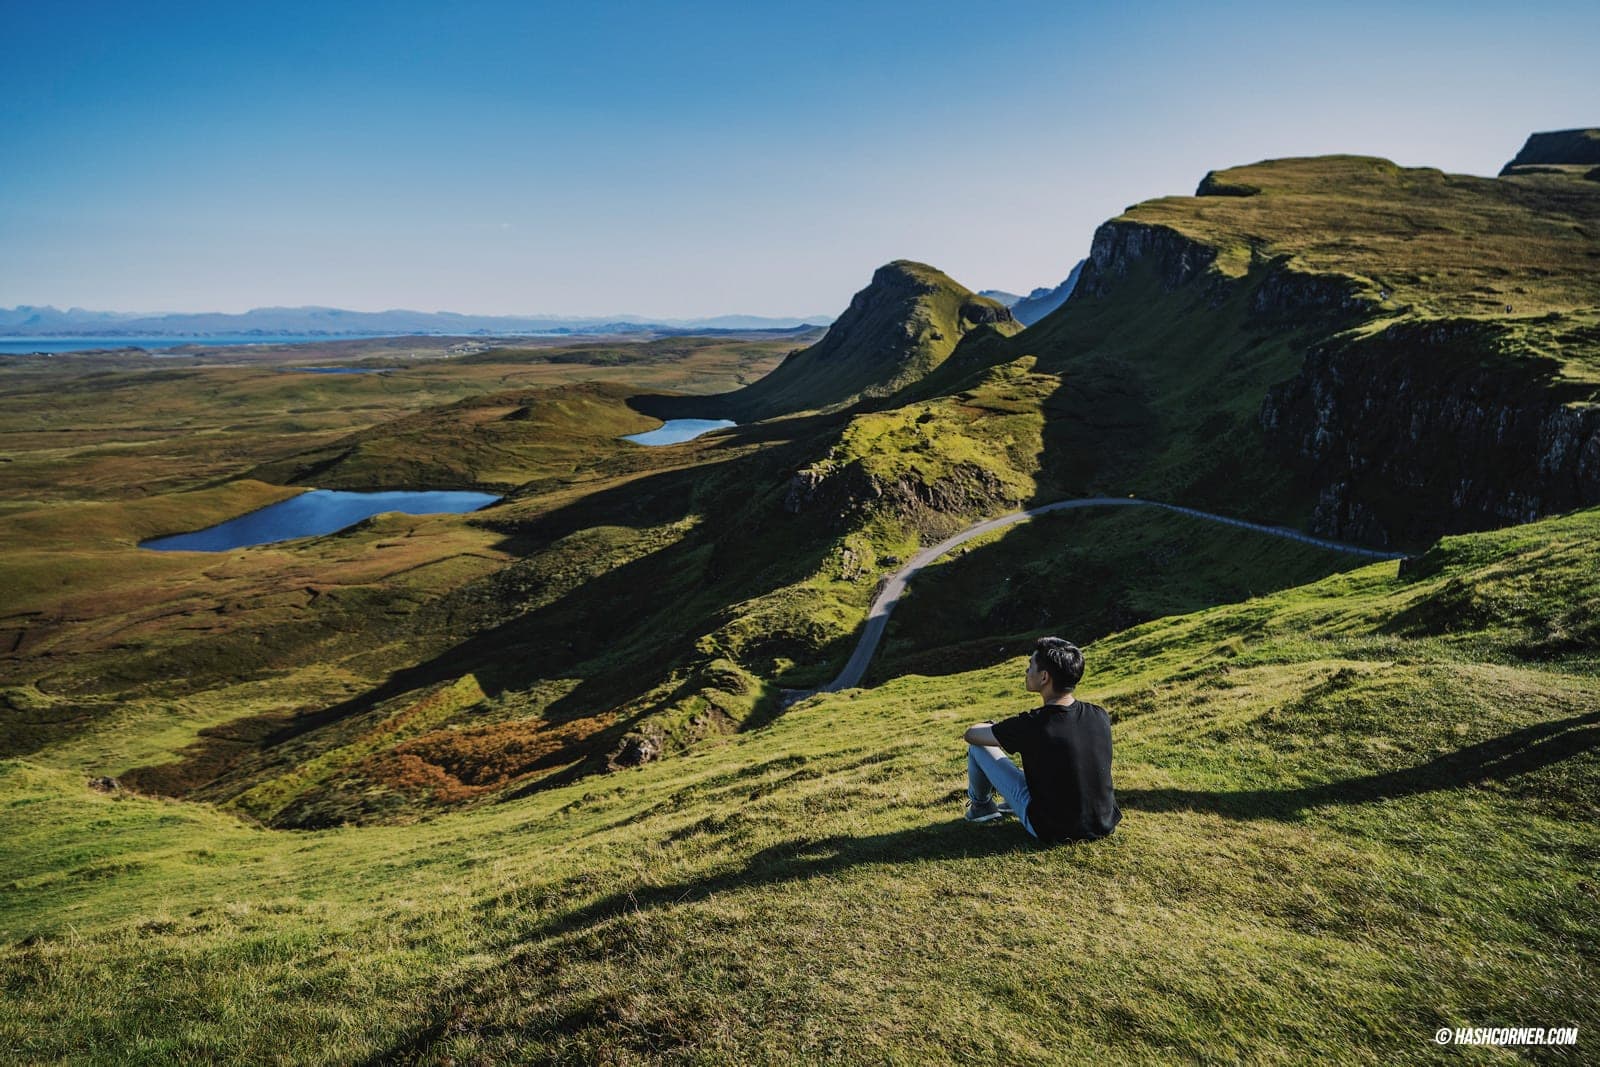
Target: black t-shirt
point(1066, 758)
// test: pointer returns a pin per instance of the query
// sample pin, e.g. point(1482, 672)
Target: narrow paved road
point(878, 617)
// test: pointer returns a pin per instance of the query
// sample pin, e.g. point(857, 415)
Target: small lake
point(321, 511)
point(337, 370)
point(676, 431)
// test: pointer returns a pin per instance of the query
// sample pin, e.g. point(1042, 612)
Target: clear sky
point(695, 159)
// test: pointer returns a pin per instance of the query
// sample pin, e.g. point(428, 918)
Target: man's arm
point(981, 733)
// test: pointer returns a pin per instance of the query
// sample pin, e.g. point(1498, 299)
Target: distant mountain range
point(26, 321)
point(1039, 303)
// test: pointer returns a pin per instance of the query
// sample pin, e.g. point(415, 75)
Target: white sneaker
point(988, 811)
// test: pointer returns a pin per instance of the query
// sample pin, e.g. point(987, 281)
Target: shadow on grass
point(789, 862)
point(786, 862)
point(1522, 751)
point(629, 624)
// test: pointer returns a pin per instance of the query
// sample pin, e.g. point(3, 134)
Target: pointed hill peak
point(906, 322)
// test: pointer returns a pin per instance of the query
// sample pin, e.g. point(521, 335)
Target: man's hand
point(982, 733)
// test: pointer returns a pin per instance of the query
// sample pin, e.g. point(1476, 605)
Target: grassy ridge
point(901, 327)
point(1194, 310)
point(1355, 812)
point(1438, 244)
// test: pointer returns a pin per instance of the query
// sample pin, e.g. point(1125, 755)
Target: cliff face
point(1420, 431)
point(1558, 148)
point(1406, 405)
point(1118, 245)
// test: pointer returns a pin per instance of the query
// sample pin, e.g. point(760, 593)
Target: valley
point(533, 780)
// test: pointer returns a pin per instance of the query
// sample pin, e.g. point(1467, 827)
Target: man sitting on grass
point(1063, 790)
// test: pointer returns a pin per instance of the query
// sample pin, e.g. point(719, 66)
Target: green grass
point(1440, 244)
point(1083, 574)
point(1353, 815)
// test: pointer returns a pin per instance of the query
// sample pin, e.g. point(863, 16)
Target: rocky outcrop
point(1118, 245)
point(986, 312)
point(636, 749)
point(1214, 185)
point(1580, 147)
point(1282, 294)
point(843, 490)
point(1291, 294)
point(1431, 428)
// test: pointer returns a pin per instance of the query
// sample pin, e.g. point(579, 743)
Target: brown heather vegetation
point(448, 766)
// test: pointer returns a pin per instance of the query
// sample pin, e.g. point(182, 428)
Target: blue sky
point(694, 159)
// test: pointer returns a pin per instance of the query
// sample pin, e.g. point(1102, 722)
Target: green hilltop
point(903, 325)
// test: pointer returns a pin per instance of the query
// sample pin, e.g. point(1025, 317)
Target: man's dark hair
point(1061, 660)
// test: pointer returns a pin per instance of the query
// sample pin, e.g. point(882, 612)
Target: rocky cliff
point(1437, 339)
point(1557, 149)
point(1430, 428)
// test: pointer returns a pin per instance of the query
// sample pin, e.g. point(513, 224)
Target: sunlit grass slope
point(1355, 811)
point(1083, 574)
point(1435, 243)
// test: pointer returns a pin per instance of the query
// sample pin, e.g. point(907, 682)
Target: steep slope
point(905, 323)
point(1376, 352)
point(1343, 829)
point(1558, 150)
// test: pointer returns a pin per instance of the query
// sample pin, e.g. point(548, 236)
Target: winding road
point(883, 604)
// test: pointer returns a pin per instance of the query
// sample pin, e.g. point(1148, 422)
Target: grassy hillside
point(410, 663)
point(1381, 353)
point(495, 441)
point(1438, 244)
point(625, 603)
point(1084, 573)
point(903, 325)
point(1356, 811)
point(489, 653)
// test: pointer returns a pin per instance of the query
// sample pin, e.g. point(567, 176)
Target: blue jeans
point(989, 769)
